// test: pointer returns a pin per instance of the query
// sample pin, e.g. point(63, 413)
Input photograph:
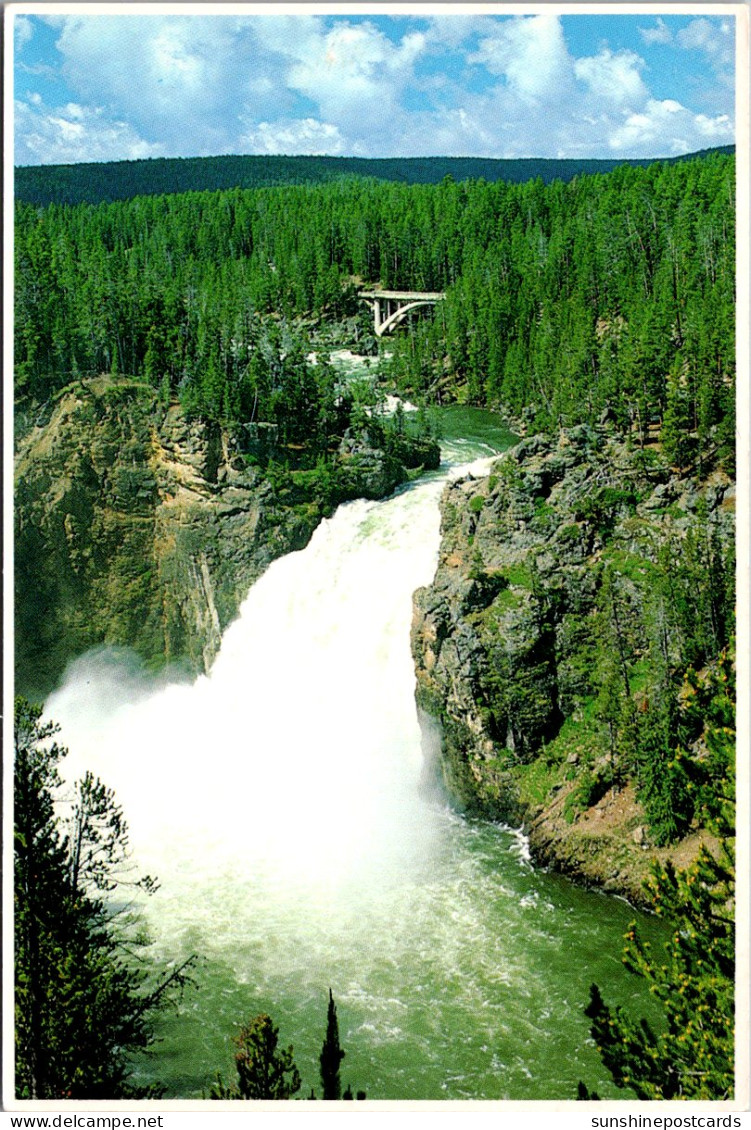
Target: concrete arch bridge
point(390, 307)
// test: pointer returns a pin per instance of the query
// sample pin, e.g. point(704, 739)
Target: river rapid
point(283, 803)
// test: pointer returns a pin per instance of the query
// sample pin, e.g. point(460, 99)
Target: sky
point(96, 87)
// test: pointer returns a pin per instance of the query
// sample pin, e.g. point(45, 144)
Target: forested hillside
point(612, 292)
point(121, 180)
point(577, 644)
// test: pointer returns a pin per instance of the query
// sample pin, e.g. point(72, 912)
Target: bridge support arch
point(390, 307)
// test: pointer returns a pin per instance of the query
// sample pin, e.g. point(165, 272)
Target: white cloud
point(551, 104)
point(23, 31)
point(613, 76)
point(74, 133)
point(660, 33)
point(461, 85)
point(302, 136)
point(531, 55)
point(716, 41)
point(716, 131)
point(292, 36)
point(670, 125)
point(453, 32)
point(356, 76)
point(183, 79)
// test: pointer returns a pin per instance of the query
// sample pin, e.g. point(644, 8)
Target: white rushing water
point(281, 802)
point(297, 761)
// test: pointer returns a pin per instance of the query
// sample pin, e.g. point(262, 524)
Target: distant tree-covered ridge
point(611, 292)
point(95, 183)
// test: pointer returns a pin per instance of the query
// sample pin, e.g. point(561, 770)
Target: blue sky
point(113, 87)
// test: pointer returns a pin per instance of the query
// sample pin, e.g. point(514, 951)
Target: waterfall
point(300, 752)
point(279, 800)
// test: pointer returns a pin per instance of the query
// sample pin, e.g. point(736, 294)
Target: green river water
point(282, 803)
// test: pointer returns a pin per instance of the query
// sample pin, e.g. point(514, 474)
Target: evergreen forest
point(611, 292)
point(606, 299)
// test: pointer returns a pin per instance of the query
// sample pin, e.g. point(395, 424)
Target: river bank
point(514, 643)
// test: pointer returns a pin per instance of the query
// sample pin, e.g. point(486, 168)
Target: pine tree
point(663, 780)
point(691, 1055)
point(675, 433)
point(85, 999)
point(331, 1055)
point(263, 1070)
point(692, 1058)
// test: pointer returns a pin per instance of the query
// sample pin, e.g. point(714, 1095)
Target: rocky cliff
point(511, 640)
point(138, 528)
